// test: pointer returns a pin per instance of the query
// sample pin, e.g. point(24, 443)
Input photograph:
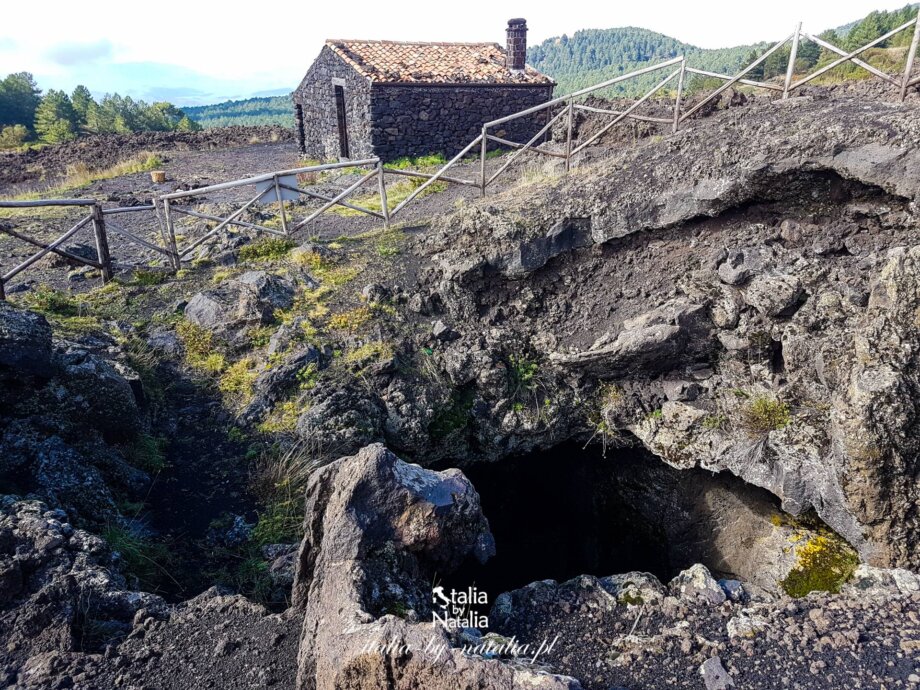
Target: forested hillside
point(274, 110)
point(595, 55)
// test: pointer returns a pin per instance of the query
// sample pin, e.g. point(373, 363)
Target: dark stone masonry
point(414, 121)
point(363, 99)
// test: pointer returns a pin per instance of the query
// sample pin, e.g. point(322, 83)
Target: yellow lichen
point(824, 563)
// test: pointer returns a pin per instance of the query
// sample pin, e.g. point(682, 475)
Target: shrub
point(142, 277)
point(13, 136)
point(50, 301)
point(764, 414)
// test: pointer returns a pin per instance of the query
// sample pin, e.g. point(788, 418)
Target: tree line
point(812, 56)
point(594, 55)
point(269, 110)
point(54, 117)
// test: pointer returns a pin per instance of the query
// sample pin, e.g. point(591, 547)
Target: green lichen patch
point(825, 563)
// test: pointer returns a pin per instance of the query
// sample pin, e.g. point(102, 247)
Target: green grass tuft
point(764, 414)
point(267, 249)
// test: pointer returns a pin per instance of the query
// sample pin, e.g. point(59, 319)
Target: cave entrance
point(569, 511)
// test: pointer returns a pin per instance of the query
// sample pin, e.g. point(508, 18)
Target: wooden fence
point(568, 104)
point(282, 186)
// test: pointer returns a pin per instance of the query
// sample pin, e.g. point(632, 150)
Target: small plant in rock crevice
point(522, 373)
point(146, 453)
point(601, 416)
point(145, 561)
point(763, 414)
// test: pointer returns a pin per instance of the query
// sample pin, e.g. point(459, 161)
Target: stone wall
point(316, 95)
point(417, 120)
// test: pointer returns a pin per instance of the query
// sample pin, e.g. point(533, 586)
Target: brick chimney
point(517, 45)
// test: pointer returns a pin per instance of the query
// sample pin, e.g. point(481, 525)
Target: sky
point(199, 51)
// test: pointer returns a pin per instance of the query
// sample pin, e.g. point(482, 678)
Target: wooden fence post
point(482, 162)
point(680, 93)
point(793, 53)
point(284, 225)
point(171, 237)
point(384, 204)
point(911, 56)
point(102, 243)
point(568, 136)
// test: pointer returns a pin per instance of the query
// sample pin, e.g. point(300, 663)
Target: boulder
point(697, 584)
point(741, 264)
point(714, 675)
point(248, 300)
point(25, 342)
point(656, 340)
point(57, 580)
point(99, 394)
point(376, 530)
point(774, 294)
point(274, 383)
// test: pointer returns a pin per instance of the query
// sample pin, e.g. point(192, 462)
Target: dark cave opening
point(570, 510)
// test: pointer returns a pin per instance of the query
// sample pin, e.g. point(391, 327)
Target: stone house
point(390, 99)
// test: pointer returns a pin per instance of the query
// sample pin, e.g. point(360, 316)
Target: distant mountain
point(272, 110)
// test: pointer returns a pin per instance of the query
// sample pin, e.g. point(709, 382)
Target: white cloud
point(271, 45)
point(69, 53)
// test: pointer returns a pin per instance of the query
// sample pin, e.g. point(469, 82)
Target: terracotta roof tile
point(432, 63)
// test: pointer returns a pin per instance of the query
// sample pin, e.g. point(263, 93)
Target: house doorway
point(340, 117)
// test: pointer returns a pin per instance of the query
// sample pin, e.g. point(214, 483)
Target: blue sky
point(204, 52)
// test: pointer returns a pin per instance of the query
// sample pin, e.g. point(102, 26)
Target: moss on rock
point(825, 562)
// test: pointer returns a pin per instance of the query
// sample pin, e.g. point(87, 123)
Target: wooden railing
point(281, 186)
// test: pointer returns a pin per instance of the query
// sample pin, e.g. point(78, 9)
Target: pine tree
point(81, 99)
point(187, 124)
point(55, 119)
point(19, 98)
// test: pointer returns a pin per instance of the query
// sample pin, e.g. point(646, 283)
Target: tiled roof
point(432, 63)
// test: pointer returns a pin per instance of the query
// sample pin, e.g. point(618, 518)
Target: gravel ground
point(192, 169)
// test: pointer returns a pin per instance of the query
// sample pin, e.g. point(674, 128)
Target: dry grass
point(79, 175)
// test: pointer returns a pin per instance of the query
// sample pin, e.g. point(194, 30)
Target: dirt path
point(191, 169)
